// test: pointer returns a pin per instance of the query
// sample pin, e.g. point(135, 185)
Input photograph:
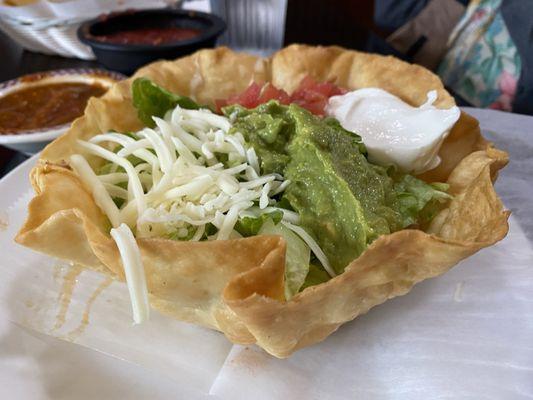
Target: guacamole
point(344, 201)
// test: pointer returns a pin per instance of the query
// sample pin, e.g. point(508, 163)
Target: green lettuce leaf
point(250, 226)
point(191, 230)
point(316, 275)
point(152, 100)
point(210, 230)
point(284, 203)
point(419, 201)
point(297, 257)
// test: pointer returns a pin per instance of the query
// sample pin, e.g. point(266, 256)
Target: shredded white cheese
point(134, 271)
point(188, 172)
point(252, 159)
point(133, 176)
point(101, 196)
point(313, 245)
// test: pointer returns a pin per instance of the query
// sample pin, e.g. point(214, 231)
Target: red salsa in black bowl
point(151, 36)
point(125, 41)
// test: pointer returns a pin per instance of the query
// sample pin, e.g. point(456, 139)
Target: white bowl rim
point(63, 75)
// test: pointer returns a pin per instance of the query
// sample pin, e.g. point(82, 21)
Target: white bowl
point(32, 141)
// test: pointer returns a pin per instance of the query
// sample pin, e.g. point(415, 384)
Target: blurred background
point(481, 49)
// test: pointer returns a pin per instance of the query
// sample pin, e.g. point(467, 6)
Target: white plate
point(33, 141)
point(465, 335)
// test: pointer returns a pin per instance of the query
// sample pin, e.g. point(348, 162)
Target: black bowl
point(127, 58)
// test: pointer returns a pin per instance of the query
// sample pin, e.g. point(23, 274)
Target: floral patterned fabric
point(482, 64)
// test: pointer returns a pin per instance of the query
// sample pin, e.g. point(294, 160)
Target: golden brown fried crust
point(236, 286)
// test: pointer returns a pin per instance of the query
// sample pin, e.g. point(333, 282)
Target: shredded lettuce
point(175, 235)
point(297, 257)
point(152, 100)
point(316, 275)
point(418, 201)
point(210, 230)
point(284, 203)
point(250, 226)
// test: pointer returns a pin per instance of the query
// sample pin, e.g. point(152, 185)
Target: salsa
point(45, 106)
point(150, 36)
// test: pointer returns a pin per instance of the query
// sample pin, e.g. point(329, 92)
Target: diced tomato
point(270, 92)
point(247, 99)
point(310, 95)
point(327, 89)
point(255, 95)
point(314, 96)
point(315, 107)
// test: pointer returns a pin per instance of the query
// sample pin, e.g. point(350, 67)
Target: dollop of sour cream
point(393, 131)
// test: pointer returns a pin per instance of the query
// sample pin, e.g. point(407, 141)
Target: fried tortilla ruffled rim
point(236, 286)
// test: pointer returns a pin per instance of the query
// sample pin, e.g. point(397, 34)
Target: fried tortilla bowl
point(237, 286)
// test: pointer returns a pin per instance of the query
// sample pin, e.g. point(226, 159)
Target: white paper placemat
point(465, 335)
